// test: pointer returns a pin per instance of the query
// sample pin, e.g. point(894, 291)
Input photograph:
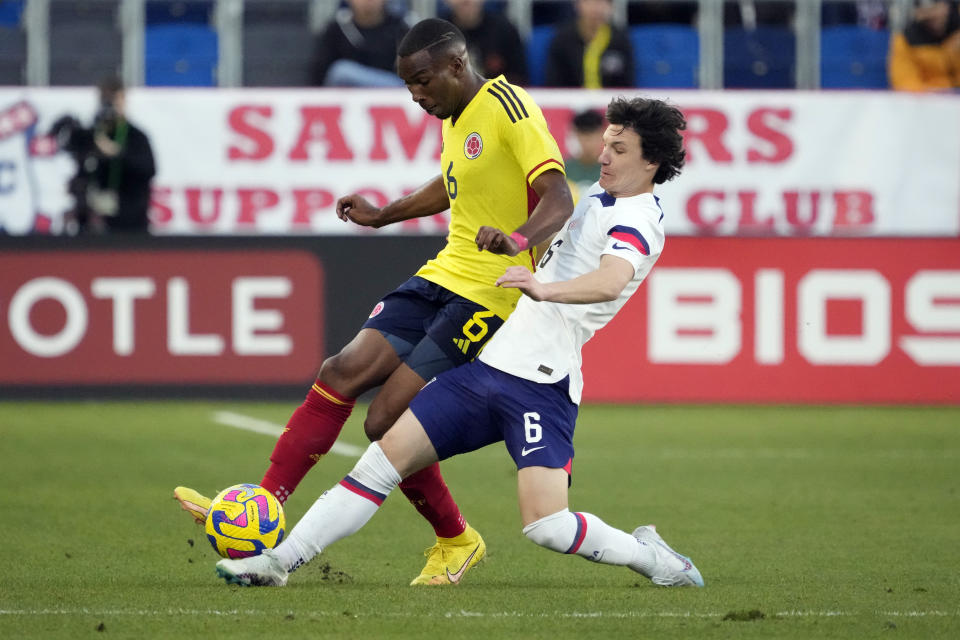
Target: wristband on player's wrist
point(521, 241)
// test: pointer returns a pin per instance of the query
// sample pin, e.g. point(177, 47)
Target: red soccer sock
point(427, 491)
point(310, 432)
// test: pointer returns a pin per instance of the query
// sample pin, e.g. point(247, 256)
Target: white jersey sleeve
point(541, 341)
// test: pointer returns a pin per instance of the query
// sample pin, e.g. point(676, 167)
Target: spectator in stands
point(493, 42)
point(359, 46)
point(583, 167)
point(115, 168)
point(589, 51)
point(925, 56)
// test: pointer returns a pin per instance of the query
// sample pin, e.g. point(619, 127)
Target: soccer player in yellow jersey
point(501, 168)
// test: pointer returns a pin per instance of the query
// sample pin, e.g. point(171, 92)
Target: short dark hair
point(109, 87)
point(434, 35)
point(659, 125)
point(588, 120)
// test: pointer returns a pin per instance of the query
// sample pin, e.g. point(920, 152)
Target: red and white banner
point(868, 320)
point(160, 317)
point(275, 161)
point(787, 320)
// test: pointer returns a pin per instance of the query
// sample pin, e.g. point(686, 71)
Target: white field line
point(463, 613)
point(240, 421)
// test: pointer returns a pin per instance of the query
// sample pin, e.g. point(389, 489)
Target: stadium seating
point(277, 44)
point(85, 41)
point(13, 55)
point(853, 57)
point(180, 54)
point(10, 12)
point(160, 11)
point(537, 48)
point(665, 55)
point(761, 58)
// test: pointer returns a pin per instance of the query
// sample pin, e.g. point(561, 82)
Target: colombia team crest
point(473, 145)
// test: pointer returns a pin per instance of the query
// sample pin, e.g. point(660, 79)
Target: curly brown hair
point(659, 125)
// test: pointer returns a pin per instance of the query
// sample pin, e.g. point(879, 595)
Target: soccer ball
point(244, 520)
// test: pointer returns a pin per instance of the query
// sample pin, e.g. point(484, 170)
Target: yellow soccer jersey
point(490, 156)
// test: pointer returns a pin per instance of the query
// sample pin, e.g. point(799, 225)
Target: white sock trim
point(374, 471)
point(585, 535)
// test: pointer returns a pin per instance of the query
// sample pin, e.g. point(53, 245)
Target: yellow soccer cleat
point(192, 502)
point(450, 558)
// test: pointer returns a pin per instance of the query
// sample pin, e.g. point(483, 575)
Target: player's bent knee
point(556, 531)
point(374, 429)
point(377, 423)
point(332, 370)
point(380, 418)
point(344, 374)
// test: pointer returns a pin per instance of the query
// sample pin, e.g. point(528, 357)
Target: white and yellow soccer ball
point(244, 520)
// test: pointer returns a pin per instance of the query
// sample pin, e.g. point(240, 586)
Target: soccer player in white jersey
point(525, 386)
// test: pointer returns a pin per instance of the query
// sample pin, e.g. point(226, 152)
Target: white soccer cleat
point(671, 569)
point(264, 570)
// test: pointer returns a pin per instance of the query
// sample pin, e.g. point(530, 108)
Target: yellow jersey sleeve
point(490, 157)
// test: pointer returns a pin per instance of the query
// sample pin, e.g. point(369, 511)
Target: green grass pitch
point(839, 522)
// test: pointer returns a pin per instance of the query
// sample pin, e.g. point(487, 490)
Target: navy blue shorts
point(431, 328)
point(472, 406)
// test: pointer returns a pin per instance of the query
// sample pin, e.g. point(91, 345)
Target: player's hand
point(517, 277)
point(496, 241)
point(358, 209)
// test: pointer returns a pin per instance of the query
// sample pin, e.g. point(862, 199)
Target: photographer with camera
point(115, 167)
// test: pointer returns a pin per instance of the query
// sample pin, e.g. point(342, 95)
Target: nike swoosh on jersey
point(525, 451)
point(454, 578)
point(617, 245)
point(630, 236)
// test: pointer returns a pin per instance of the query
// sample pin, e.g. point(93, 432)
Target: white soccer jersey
point(541, 341)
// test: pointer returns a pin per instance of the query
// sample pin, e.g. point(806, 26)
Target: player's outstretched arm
point(428, 200)
point(553, 210)
point(600, 285)
point(555, 206)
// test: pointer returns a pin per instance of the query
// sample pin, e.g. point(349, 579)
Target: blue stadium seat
point(761, 58)
point(665, 55)
point(853, 57)
point(10, 11)
point(537, 48)
point(180, 55)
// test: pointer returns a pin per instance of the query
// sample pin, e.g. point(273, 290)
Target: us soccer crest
point(473, 145)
